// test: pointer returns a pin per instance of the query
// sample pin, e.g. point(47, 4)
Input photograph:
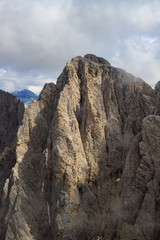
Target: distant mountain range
point(25, 95)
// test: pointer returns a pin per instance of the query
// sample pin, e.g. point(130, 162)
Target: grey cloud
point(38, 37)
point(142, 54)
point(9, 85)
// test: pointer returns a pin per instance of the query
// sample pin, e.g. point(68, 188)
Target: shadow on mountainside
point(12, 111)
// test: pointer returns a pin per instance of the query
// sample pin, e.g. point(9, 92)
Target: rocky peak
point(96, 59)
point(87, 159)
point(25, 95)
point(157, 98)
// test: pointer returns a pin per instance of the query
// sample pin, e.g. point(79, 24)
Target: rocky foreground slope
point(87, 159)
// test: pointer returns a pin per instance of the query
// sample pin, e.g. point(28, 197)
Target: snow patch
point(46, 155)
point(117, 180)
point(26, 105)
point(49, 218)
point(5, 188)
point(42, 187)
point(99, 238)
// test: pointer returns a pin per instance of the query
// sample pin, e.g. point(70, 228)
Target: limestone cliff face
point(27, 215)
point(140, 192)
point(11, 114)
point(87, 159)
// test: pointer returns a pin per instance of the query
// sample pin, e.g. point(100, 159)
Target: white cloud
point(38, 37)
point(142, 54)
point(11, 81)
point(35, 89)
point(8, 80)
point(146, 17)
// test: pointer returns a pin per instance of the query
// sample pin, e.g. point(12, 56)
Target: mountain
point(87, 159)
point(25, 95)
point(11, 115)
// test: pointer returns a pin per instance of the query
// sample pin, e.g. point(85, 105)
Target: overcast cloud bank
point(38, 37)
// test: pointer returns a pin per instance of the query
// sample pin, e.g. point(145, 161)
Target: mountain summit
point(87, 159)
point(25, 95)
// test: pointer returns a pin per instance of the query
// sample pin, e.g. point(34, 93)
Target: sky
point(38, 37)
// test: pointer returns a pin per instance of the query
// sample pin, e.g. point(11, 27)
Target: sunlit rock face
point(87, 159)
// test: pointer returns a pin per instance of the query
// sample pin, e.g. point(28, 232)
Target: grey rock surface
point(11, 114)
point(87, 159)
point(96, 59)
point(140, 185)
